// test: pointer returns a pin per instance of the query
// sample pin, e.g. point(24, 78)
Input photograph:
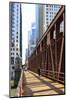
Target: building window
point(12, 34)
point(13, 48)
point(13, 30)
point(17, 5)
point(16, 44)
point(47, 12)
point(12, 60)
point(17, 49)
point(12, 10)
point(12, 53)
point(50, 16)
point(16, 53)
point(47, 23)
point(16, 36)
point(12, 39)
point(13, 67)
point(13, 26)
point(47, 26)
point(46, 18)
point(46, 5)
point(13, 18)
point(46, 15)
point(16, 40)
point(12, 44)
point(17, 32)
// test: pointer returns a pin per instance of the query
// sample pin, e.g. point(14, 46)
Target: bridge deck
point(39, 85)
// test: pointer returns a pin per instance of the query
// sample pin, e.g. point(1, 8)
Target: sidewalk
point(35, 85)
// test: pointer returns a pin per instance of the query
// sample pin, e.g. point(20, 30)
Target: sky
point(28, 17)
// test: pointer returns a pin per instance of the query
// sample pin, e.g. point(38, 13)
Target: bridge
point(49, 52)
point(48, 56)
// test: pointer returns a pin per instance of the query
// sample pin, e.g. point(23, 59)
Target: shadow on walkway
point(49, 84)
point(39, 85)
point(27, 90)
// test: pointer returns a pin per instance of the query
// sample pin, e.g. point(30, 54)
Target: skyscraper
point(49, 13)
point(44, 16)
point(32, 39)
point(39, 20)
point(15, 34)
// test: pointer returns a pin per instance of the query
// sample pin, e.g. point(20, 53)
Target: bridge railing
point(20, 87)
point(53, 75)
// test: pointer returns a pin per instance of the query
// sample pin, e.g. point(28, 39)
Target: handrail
point(19, 90)
point(52, 71)
point(50, 74)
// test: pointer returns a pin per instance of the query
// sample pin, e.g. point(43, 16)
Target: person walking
point(39, 71)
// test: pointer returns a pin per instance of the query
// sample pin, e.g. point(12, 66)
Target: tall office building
point(44, 16)
point(32, 39)
point(15, 34)
point(39, 12)
point(49, 13)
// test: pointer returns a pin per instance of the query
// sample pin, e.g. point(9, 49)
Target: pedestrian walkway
point(37, 86)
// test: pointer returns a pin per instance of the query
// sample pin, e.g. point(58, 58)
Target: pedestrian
point(39, 71)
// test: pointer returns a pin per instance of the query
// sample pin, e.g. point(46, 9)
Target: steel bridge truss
point(49, 52)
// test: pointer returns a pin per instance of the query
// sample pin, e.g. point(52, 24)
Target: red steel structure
point(49, 52)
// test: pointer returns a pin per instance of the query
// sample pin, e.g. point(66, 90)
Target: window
point(47, 12)
point(50, 16)
point(13, 22)
point(17, 5)
point(46, 15)
point(13, 67)
point(50, 13)
point(17, 49)
point(47, 25)
point(16, 53)
point(12, 39)
point(13, 30)
point(12, 53)
point(16, 40)
point(13, 18)
point(13, 49)
point(17, 32)
point(12, 60)
point(13, 26)
point(47, 22)
point(12, 34)
point(16, 44)
point(46, 18)
point(12, 44)
point(46, 5)
point(16, 36)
